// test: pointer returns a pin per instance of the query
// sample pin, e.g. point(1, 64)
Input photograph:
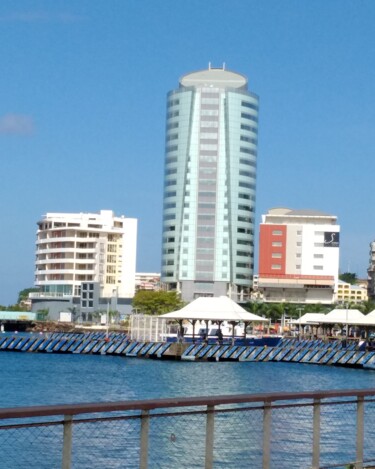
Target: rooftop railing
point(323, 429)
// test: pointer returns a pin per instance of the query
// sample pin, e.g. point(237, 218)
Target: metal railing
point(324, 429)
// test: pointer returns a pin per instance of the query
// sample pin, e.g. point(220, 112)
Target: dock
point(316, 352)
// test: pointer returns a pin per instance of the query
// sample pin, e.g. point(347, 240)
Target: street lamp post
point(346, 316)
point(107, 322)
point(299, 323)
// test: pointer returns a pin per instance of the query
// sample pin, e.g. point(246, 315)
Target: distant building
point(256, 294)
point(347, 293)
point(298, 256)
point(84, 261)
point(209, 185)
point(147, 281)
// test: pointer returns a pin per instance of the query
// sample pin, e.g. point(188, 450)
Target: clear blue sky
point(82, 110)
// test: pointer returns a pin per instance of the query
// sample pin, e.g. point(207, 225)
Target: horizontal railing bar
point(86, 408)
point(16, 426)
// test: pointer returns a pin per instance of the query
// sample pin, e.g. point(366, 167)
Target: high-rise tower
point(209, 187)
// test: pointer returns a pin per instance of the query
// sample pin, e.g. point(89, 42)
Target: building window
point(243, 138)
point(172, 137)
point(172, 114)
point(276, 266)
point(318, 256)
point(249, 105)
point(318, 267)
point(277, 244)
point(245, 115)
point(249, 127)
point(248, 162)
point(246, 185)
point(319, 245)
point(173, 102)
point(172, 125)
point(276, 255)
point(247, 174)
point(170, 216)
point(171, 171)
point(277, 232)
point(248, 150)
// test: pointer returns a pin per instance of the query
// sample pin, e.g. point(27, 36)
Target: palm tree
point(366, 306)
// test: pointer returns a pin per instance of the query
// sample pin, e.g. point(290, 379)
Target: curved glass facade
point(209, 186)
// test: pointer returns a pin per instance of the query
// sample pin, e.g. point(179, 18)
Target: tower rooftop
point(215, 77)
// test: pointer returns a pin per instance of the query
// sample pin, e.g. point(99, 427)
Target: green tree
point(258, 308)
point(366, 306)
point(348, 277)
point(15, 308)
point(42, 314)
point(23, 295)
point(317, 308)
point(156, 302)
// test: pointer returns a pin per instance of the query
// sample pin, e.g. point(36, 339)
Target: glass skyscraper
point(209, 185)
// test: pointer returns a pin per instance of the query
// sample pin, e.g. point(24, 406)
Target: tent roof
point(309, 318)
point(219, 308)
point(345, 316)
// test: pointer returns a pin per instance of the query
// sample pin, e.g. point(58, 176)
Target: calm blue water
point(37, 379)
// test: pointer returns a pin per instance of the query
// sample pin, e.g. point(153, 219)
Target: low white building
point(147, 281)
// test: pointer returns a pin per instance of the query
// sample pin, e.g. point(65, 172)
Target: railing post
point(210, 425)
point(360, 432)
point(145, 426)
point(316, 434)
point(267, 435)
point(67, 442)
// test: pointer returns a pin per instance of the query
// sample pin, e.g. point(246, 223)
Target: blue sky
point(82, 112)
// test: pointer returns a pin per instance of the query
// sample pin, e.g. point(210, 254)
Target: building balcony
point(50, 295)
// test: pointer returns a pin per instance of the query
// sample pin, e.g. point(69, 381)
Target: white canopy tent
point(309, 318)
point(344, 316)
point(214, 309)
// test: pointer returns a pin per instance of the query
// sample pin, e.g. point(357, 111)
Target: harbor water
point(41, 379)
point(47, 378)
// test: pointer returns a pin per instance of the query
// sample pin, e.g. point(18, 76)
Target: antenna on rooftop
point(223, 65)
point(209, 65)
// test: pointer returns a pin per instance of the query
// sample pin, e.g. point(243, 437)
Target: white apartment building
point(75, 249)
point(298, 256)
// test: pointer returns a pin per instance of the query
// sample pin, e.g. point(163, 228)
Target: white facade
point(306, 254)
point(73, 248)
point(147, 281)
point(298, 256)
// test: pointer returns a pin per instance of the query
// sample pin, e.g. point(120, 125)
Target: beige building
point(347, 293)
